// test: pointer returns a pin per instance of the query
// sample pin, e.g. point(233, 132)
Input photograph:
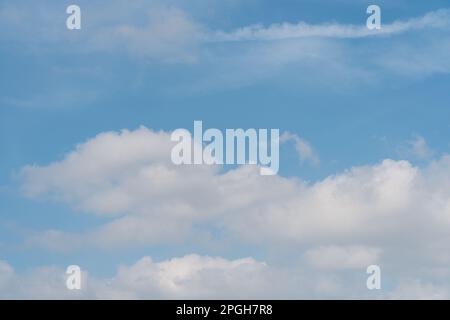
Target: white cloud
point(191, 276)
point(48, 282)
point(99, 164)
point(152, 30)
point(438, 19)
point(416, 148)
point(336, 257)
point(160, 32)
point(128, 178)
point(304, 149)
point(414, 289)
point(168, 34)
point(188, 277)
point(6, 274)
point(299, 55)
point(204, 277)
point(420, 149)
point(334, 227)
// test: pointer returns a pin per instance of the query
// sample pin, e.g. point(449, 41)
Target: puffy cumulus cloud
point(332, 228)
point(204, 277)
point(102, 163)
point(47, 282)
point(128, 178)
point(190, 276)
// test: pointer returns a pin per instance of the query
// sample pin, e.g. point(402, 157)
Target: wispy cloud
point(416, 148)
point(304, 149)
point(309, 54)
point(435, 20)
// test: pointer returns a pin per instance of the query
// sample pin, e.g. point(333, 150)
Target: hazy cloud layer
point(156, 31)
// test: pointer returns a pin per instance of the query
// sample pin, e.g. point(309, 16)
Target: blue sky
point(356, 100)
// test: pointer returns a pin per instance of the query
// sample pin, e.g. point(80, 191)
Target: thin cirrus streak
point(439, 19)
